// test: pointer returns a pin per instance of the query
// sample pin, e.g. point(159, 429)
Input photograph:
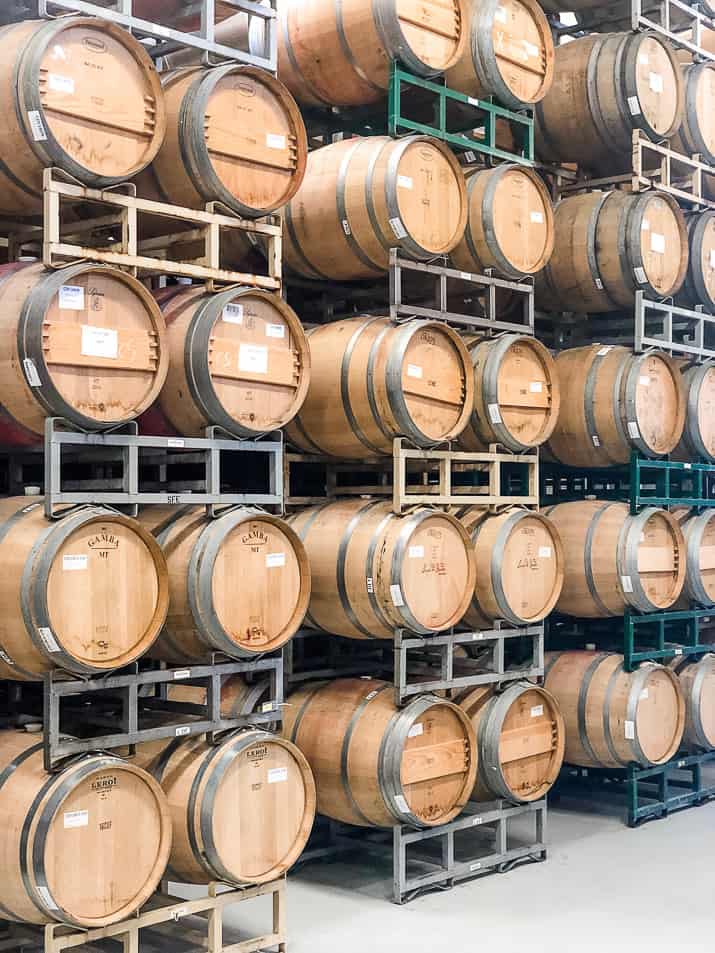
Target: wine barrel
point(238, 697)
point(509, 53)
point(338, 53)
point(177, 13)
point(363, 196)
point(520, 565)
point(234, 135)
point(239, 584)
point(698, 442)
point(696, 134)
point(614, 718)
point(374, 572)
point(699, 285)
point(379, 766)
point(697, 683)
point(618, 402)
point(615, 561)
point(77, 93)
point(241, 810)
point(237, 358)
point(86, 342)
point(86, 845)
point(87, 593)
point(605, 87)
point(608, 245)
point(510, 227)
point(516, 393)
point(699, 532)
point(520, 741)
point(373, 380)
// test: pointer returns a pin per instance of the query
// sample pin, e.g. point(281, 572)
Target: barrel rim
point(629, 541)
point(633, 42)
point(630, 387)
point(387, 22)
point(637, 686)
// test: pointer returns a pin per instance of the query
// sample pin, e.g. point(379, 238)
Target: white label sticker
point(476, 821)
point(401, 803)
point(544, 552)
point(596, 441)
point(396, 594)
point(266, 707)
point(603, 350)
point(536, 387)
point(645, 225)
point(633, 431)
point(58, 52)
point(233, 313)
point(626, 584)
point(72, 297)
point(175, 442)
point(655, 81)
point(253, 358)
point(36, 125)
point(598, 283)
point(416, 552)
point(404, 181)
point(6, 658)
point(48, 639)
point(531, 49)
point(688, 466)
point(370, 694)
point(634, 106)
point(275, 330)
point(346, 227)
point(537, 711)
point(182, 730)
point(46, 897)
point(500, 14)
point(182, 673)
point(645, 381)
point(99, 342)
point(414, 370)
point(275, 141)
point(368, 582)
point(274, 560)
point(640, 275)
point(643, 58)
point(76, 818)
point(494, 414)
point(629, 729)
point(276, 775)
point(415, 730)
point(657, 243)
point(644, 694)
point(60, 84)
point(477, 636)
point(712, 257)
point(469, 155)
point(678, 651)
point(466, 275)
point(398, 228)
point(33, 378)
point(71, 563)
point(537, 217)
point(477, 866)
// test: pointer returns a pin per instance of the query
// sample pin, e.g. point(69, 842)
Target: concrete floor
point(604, 888)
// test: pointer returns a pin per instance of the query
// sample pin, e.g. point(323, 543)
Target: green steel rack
point(650, 793)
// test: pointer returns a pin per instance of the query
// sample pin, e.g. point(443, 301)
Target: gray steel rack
point(482, 836)
point(169, 39)
point(126, 449)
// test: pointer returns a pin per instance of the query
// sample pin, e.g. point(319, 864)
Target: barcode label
point(182, 673)
point(48, 639)
point(626, 584)
point(36, 127)
point(634, 106)
point(640, 275)
point(629, 730)
point(598, 283)
point(494, 414)
point(276, 775)
point(76, 819)
point(60, 84)
point(275, 560)
point(182, 730)
point(396, 594)
point(33, 378)
point(596, 441)
point(477, 866)
point(72, 563)
point(233, 313)
point(346, 227)
point(369, 585)
point(398, 228)
point(275, 331)
point(402, 804)
point(415, 730)
point(537, 711)
point(72, 298)
point(46, 898)
point(633, 430)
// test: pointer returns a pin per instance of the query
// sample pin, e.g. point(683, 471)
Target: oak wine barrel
point(241, 810)
point(509, 53)
point(86, 342)
point(520, 565)
point(86, 845)
point(696, 135)
point(697, 683)
point(77, 93)
point(510, 227)
point(177, 13)
point(615, 718)
point(338, 53)
point(373, 571)
point(373, 380)
point(605, 87)
point(520, 741)
point(699, 285)
point(87, 593)
point(616, 402)
point(234, 135)
point(698, 441)
point(614, 561)
point(363, 196)
point(238, 696)
point(516, 393)
point(379, 766)
point(699, 532)
point(608, 245)
point(237, 358)
point(238, 584)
